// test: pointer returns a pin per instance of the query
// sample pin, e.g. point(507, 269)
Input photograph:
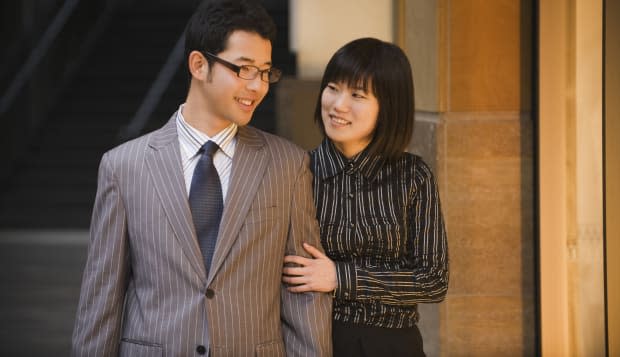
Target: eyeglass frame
point(271, 71)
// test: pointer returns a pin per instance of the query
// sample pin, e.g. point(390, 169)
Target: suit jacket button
point(210, 293)
point(201, 349)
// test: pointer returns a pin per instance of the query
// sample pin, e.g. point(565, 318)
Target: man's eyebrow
point(250, 60)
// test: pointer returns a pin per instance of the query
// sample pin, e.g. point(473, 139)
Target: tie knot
point(209, 148)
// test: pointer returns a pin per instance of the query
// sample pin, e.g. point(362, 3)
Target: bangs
point(353, 69)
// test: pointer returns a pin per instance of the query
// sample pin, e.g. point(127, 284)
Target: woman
point(377, 206)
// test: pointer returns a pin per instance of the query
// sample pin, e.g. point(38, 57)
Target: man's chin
point(245, 120)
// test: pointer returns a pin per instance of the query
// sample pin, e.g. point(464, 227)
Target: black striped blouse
point(381, 224)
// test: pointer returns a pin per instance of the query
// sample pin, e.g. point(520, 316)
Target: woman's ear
point(198, 65)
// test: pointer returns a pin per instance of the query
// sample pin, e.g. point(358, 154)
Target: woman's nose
point(341, 103)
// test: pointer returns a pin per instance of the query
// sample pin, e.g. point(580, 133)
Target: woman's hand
point(317, 274)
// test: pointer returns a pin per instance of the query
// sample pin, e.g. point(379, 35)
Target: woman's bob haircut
point(385, 68)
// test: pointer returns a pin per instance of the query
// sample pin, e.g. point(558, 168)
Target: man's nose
point(256, 84)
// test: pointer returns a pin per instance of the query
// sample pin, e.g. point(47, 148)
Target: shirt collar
point(332, 162)
point(225, 139)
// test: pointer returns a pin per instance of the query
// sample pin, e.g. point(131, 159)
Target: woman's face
point(349, 116)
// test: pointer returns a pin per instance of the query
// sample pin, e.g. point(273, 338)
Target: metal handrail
point(155, 92)
point(37, 54)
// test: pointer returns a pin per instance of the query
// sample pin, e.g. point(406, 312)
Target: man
point(172, 273)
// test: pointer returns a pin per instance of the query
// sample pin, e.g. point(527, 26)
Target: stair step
point(74, 217)
point(45, 176)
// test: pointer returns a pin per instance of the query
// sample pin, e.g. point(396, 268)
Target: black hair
point(215, 20)
point(386, 68)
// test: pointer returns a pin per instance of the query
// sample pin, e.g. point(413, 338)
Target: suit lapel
point(164, 164)
point(249, 164)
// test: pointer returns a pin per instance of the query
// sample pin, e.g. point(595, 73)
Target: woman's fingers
point(296, 259)
point(309, 274)
point(293, 270)
point(295, 280)
point(298, 284)
point(315, 253)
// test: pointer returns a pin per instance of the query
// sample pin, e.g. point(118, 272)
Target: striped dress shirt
point(381, 224)
point(191, 140)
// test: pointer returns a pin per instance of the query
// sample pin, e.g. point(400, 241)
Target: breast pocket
point(261, 214)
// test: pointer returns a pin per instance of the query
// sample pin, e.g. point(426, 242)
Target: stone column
point(472, 62)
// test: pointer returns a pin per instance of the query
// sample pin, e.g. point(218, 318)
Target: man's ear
point(198, 65)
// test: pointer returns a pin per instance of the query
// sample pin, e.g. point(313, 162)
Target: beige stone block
point(483, 209)
point(486, 326)
point(430, 328)
point(487, 136)
point(422, 46)
point(484, 191)
point(423, 141)
point(485, 261)
point(484, 55)
point(441, 173)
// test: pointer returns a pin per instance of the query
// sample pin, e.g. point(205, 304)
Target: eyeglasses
point(246, 71)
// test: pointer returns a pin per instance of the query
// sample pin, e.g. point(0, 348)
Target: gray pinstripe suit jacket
point(145, 290)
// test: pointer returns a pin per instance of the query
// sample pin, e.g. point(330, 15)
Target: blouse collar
point(333, 162)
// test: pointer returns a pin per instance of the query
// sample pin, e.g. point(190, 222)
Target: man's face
point(229, 98)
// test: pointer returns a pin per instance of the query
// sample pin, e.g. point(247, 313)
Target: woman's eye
point(359, 95)
point(331, 87)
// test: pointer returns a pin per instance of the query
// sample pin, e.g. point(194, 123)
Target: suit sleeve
point(306, 317)
point(104, 281)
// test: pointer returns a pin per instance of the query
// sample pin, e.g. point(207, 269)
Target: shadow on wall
point(295, 102)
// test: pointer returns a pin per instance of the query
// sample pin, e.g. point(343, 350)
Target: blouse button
point(349, 168)
point(352, 224)
point(351, 195)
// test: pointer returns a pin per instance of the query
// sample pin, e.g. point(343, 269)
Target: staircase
point(54, 188)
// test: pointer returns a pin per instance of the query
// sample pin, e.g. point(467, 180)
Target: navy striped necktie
point(205, 201)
